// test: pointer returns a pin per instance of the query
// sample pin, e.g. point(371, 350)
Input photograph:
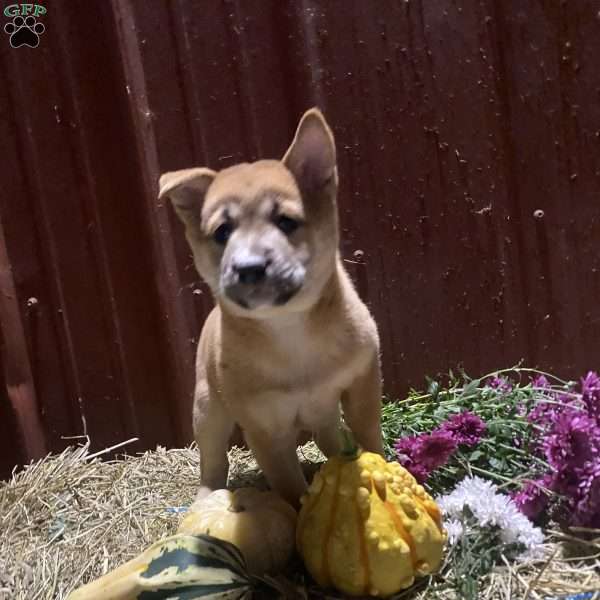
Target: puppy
point(289, 340)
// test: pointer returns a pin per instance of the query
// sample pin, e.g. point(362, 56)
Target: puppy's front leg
point(327, 438)
point(278, 460)
point(212, 429)
point(362, 408)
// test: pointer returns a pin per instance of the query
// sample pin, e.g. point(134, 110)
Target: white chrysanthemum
point(490, 508)
point(454, 529)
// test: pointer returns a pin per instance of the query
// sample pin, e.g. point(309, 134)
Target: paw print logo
point(24, 31)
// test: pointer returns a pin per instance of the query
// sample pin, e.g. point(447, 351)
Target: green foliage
point(477, 553)
point(503, 455)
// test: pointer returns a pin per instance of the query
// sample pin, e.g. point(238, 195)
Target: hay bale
point(72, 517)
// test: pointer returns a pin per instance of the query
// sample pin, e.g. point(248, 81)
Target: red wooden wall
point(469, 150)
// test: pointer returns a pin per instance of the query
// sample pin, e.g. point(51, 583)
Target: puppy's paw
point(203, 492)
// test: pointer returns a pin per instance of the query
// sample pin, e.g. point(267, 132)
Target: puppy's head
point(264, 235)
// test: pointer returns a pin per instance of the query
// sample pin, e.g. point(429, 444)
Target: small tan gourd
point(260, 524)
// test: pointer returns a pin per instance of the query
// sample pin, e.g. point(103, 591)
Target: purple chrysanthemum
point(406, 446)
point(540, 382)
point(434, 450)
point(543, 414)
point(546, 413)
point(566, 482)
point(521, 410)
point(572, 440)
point(502, 384)
point(406, 454)
point(419, 472)
point(590, 394)
point(532, 499)
point(422, 454)
point(465, 428)
point(587, 509)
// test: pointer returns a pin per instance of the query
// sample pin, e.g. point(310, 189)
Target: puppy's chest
point(305, 361)
point(312, 373)
point(295, 378)
point(304, 385)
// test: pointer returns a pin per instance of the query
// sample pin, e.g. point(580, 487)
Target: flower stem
point(350, 449)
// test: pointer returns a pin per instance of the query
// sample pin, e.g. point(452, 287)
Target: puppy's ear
point(187, 189)
point(311, 157)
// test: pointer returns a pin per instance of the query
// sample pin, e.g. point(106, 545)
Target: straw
point(72, 517)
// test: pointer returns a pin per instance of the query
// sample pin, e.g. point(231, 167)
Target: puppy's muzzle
point(255, 281)
point(252, 272)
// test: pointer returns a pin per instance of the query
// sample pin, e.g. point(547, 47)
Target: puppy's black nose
point(251, 273)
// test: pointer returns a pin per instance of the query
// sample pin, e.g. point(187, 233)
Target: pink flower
point(587, 509)
point(590, 394)
point(434, 450)
point(566, 482)
point(572, 440)
point(545, 414)
point(406, 445)
point(422, 454)
point(465, 428)
point(532, 500)
point(419, 472)
point(502, 384)
point(540, 382)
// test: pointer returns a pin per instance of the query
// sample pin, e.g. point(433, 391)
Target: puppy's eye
point(222, 233)
point(286, 224)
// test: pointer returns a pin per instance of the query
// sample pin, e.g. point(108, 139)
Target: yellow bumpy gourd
point(367, 527)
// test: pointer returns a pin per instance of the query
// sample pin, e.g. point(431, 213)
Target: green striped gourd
point(182, 567)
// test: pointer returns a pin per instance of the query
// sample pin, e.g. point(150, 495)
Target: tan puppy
point(289, 337)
